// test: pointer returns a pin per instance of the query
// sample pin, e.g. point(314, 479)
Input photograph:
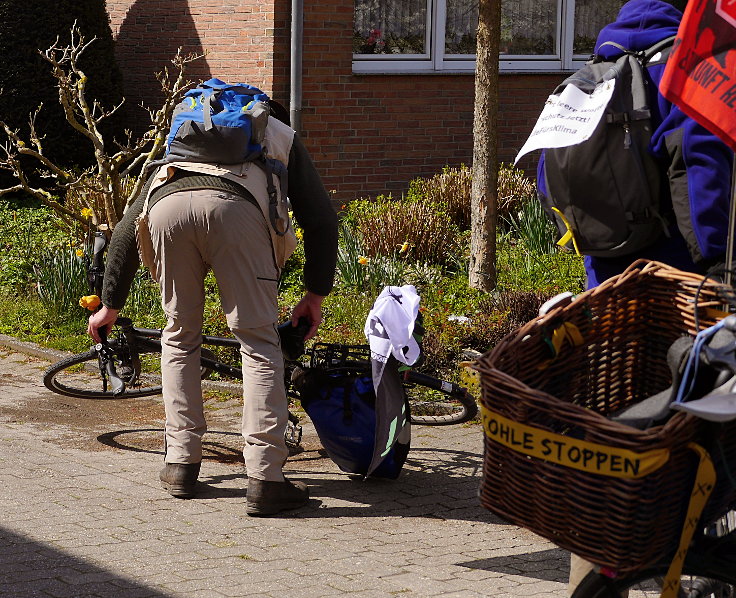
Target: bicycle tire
point(435, 402)
point(648, 583)
point(59, 378)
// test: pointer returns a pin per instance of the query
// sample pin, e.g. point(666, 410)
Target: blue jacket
point(699, 164)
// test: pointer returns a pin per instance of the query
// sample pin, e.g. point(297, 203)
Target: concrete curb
point(33, 349)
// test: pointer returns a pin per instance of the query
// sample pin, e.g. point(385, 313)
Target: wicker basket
point(626, 325)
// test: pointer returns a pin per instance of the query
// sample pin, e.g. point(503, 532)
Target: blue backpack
point(219, 123)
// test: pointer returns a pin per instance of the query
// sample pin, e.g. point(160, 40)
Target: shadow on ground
point(33, 569)
point(533, 564)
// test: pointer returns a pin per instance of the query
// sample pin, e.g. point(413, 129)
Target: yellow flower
point(362, 260)
point(404, 247)
point(299, 233)
point(91, 302)
point(80, 252)
point(86, 213)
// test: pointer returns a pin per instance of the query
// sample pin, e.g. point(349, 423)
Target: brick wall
point(368, 134)
point(238, 36)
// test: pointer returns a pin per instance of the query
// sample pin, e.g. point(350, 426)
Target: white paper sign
point(569, 118)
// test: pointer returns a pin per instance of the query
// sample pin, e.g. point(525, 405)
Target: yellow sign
point(571, 452)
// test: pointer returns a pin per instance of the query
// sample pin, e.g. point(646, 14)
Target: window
point(440, 35)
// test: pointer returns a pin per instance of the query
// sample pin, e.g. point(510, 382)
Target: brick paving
point(94, 522)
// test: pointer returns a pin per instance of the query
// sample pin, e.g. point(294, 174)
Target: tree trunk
point(484, 193)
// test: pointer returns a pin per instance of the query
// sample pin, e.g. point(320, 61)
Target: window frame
point(438, 62)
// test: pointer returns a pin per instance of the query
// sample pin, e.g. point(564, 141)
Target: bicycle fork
point(129, 360)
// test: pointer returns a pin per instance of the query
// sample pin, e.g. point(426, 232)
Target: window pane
point(390, 27)
point(529, 27)
point(590, 17)
point(462, 27)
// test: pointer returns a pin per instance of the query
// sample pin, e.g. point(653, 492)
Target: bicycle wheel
point(71, 378)
point(434, 402)
point(648, 583)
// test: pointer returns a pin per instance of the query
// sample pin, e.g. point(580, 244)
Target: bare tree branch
point(105, 188)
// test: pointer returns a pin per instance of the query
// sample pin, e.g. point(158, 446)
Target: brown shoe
point(180, 479)
point(269, 498)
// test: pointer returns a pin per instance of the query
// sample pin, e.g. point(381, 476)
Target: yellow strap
point(705, 480)
point(570, 452)
point(567, 331)
point(568, 236)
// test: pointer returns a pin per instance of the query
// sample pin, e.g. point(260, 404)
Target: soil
point(120, 424)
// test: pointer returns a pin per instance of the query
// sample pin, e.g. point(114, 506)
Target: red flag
point(700, 76)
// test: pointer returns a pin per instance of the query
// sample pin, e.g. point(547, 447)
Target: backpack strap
point(644, 55)
point(271, 167)
point(185, 181)
point(598, 58)
point(661, 45)
point(207, 111)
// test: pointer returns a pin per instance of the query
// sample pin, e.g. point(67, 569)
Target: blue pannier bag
point(342, 407)
point(219, 123)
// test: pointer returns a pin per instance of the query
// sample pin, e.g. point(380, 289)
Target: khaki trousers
point(193, 231)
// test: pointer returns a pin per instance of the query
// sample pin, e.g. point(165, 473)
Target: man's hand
point(309, 307)
point(104, 318)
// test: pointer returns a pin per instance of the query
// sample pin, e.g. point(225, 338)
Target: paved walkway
point(82, 514)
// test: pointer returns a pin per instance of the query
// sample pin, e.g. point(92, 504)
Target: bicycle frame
point(148, 340)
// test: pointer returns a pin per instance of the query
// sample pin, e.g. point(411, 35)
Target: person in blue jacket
point(696, 164)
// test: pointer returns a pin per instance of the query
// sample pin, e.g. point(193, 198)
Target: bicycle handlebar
point(106, 354)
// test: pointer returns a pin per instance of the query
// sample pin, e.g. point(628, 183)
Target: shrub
point(61, 279)
point(82, 199)
point(531, 225)
point(419, 230)
point(449, 189)
point(514, 190)
point(25, 229)
point(27, 27)
point(492, 318)
point(452, 188)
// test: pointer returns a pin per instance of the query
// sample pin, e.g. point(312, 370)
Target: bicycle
point(709, 570)
point(709, 566)
point(124, 362)
point(127, 362)
point(574, 393)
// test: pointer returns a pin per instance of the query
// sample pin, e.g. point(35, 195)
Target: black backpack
point(604, 194)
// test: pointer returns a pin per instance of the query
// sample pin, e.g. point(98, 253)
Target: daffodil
point(299, 234)
point(404, 247)
point(86, 212)
point(80, 252)
point(362, 260)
